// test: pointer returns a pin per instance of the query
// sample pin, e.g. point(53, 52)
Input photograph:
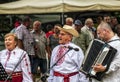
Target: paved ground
point(38, 80)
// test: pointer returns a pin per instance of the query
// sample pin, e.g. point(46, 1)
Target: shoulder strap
point(113, 40)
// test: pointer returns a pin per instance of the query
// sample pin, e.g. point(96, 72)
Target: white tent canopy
point(57, 6)
point(31, 6)
point(84, 5)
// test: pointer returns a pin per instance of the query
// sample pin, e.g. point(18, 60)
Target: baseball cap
point(78, 22)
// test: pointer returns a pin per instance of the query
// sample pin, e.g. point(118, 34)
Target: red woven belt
point(66, 76)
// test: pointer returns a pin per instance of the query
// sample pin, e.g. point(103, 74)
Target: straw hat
point(69, 29)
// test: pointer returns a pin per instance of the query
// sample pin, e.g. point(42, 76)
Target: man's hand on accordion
point(99, 68)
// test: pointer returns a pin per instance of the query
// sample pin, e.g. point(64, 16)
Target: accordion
point(97, 52)
point(3, 73)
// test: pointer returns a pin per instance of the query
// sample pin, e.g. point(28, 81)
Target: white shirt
point(113, 73)
point(10, 63)
point(71, 63)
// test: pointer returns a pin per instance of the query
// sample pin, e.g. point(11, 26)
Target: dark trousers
point(42, 63)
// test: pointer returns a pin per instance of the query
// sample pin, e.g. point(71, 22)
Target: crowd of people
point(59, 52)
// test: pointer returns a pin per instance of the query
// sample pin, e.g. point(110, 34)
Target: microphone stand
point(9, 76)
point(43, 78)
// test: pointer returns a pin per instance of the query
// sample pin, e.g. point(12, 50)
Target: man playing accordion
point(106, 34)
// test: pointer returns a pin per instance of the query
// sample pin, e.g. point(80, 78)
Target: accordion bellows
point(97, 52)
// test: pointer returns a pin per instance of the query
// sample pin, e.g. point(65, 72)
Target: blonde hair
point(12, 34)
